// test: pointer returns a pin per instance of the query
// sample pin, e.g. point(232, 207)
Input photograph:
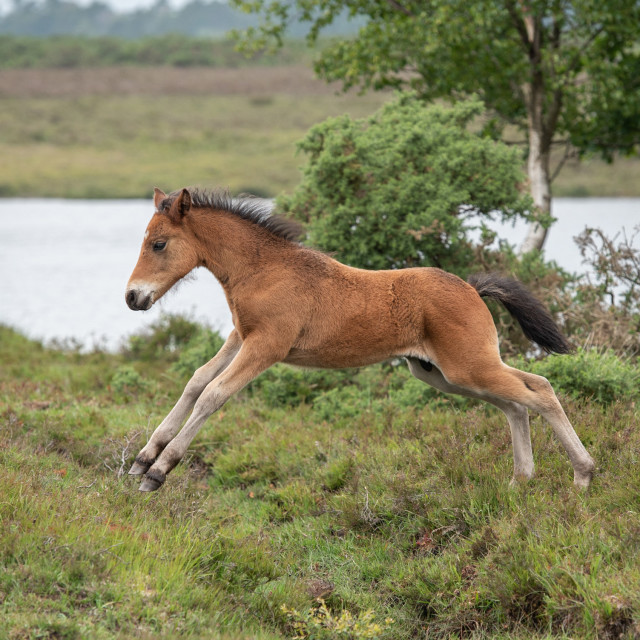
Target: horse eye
point(159, 245)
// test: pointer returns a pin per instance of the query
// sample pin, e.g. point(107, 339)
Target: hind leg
point(542, 399)
point(489, 378)
point(517, 416)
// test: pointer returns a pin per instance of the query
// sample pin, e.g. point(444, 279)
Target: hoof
point(520, 480)
point(152, 481)
point(582, 481)
point(582, 477)
point(139, 468)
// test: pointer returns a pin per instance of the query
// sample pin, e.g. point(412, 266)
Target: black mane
point(248, 207)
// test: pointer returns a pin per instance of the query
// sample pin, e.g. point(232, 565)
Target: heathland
point(117, 131)
point(361, 490)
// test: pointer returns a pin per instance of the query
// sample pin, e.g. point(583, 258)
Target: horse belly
point(330, 360)
point(356, 348)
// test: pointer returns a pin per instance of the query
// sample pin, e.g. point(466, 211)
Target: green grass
point(593, 177)
point(397, 512)
point(121, 146)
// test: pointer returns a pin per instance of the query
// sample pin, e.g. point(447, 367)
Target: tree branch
point(519, 24)
point(568, 153)
point(399, 7)
point(551, 120)
point(523, 142)
point(581, 49)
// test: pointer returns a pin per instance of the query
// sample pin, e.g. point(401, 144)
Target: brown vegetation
point(150, 81)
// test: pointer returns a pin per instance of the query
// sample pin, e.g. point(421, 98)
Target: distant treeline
point(23, 52)
point(197, 18)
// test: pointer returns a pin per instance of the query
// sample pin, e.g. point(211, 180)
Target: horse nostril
point(131, 298)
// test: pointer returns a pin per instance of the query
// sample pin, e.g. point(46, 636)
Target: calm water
point(64, 264)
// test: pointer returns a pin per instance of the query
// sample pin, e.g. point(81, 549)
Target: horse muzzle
point(139, 299)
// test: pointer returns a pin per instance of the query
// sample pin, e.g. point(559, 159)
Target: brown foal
point(293, 304)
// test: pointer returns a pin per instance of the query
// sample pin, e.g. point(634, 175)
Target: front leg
point(256, 355)
point(172, 423)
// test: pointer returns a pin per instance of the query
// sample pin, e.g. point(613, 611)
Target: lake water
point(64, 264)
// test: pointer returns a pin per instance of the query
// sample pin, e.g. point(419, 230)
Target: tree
point(563, 72)
point(405, 186)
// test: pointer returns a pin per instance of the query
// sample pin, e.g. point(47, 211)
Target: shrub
point(176, 339)
point(162, 339)
point(405, 186)
point(199, 349)
point(376, 388)
point(589, 373)
point(347, 393)
point(346, 402)
point(282, 385)
point(407, 391)
point(128, 381)
point(606, 303)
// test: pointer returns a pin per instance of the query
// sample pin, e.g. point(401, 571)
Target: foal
point(292, 304)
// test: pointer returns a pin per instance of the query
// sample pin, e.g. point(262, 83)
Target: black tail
point(536, 322)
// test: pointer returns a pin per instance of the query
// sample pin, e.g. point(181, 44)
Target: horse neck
point(232, 248)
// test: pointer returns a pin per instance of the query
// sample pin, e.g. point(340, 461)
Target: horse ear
point(158, 197)
point(180, 206)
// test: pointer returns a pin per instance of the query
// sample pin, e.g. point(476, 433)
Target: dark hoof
point(139, 468)
point(152, 481)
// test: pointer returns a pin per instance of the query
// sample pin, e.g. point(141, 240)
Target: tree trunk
point(540, 185)
point(539, 135)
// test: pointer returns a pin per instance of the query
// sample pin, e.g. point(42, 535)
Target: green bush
point(175, 339)
point(408, 391)
point(199, 349)
point(344, 394)
point(347, 402)
point(347, 393)
point(405, 186)
point(333, 393)
point(128, 381)
point(375, 388)
point(597, 375)
point(163, 339)
point(282, 385)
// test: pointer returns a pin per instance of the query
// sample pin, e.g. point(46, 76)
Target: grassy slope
point(405, 512)
point(117, 132)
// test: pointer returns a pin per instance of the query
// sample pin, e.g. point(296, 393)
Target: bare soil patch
point(251, 81)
